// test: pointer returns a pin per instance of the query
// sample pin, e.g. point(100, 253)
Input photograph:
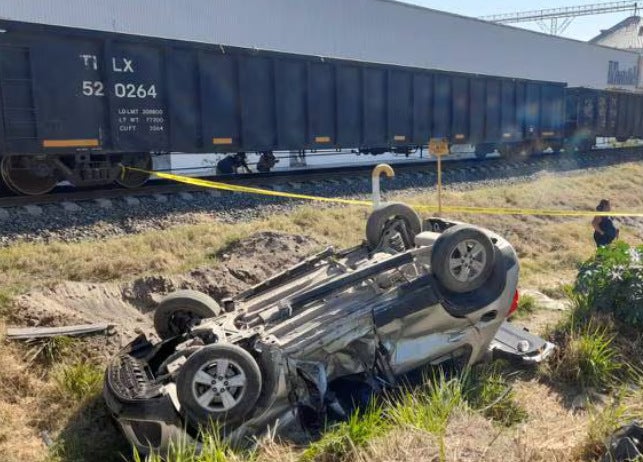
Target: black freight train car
point(76, 103)
point(598, 113)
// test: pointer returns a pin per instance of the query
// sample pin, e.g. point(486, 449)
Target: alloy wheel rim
point(467, 260)
point(219, 385)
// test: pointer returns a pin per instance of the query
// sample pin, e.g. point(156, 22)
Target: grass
point(8, 294)
point(526, 307)
point(586, 357)
point(427, 409)
point(549, 248)
point(168, 251)
point(345, 438)
point(64, 387)
point(213, 449)
point(53, 350)
point(491, 394)
point(603, 422)
point(79, 380)
point(625, 407)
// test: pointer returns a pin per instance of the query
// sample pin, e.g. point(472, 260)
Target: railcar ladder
point(17, 101)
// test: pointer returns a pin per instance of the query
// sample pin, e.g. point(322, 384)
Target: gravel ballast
point(90, 220)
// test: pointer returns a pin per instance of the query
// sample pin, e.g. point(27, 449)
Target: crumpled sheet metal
point(625, 444)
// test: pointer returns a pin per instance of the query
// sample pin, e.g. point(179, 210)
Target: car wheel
point(219, 382)
point(381, 218)
point(180, 311)
point(462, 258)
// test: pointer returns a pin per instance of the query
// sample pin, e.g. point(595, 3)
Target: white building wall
point(382, 31)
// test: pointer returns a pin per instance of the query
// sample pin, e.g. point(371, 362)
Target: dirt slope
point(129, 305)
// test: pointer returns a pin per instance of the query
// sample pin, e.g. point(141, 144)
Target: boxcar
point(74, 104)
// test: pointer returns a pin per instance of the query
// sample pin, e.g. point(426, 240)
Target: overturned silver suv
point(411, 296)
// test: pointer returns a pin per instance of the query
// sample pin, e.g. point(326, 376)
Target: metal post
point(375, 178)
point(439, 185)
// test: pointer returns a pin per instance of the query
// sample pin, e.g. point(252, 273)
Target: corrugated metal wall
point(381, 31)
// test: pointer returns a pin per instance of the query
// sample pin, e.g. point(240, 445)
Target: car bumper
point(519, 345)
point(149, 424)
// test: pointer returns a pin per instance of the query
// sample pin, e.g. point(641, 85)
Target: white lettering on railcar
point(90, 61)
point(93, 88)
point(137, 122)
point(123, 65)
point(129, 90)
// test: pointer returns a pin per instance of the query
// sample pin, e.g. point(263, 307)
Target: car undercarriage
point(413, 295)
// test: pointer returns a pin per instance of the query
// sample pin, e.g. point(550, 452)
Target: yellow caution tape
point(429, 208)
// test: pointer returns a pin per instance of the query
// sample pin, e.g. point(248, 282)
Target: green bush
point(612, 282)
point(587, 357)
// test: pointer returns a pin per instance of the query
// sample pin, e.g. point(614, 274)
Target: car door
point(413, 326)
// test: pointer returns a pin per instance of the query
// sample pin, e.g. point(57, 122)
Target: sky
point(581, 28)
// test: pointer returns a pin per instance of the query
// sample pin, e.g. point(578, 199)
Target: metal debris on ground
point(31, 333)
point(625, 444)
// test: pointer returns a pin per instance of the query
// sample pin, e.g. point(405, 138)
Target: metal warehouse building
point(627, 34)
point(381, 31)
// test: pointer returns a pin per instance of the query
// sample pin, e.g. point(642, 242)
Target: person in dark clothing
point(604, 230)
point(266, 162)
point(231, 163)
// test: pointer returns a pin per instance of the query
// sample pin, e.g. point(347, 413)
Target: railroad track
point(460, 170)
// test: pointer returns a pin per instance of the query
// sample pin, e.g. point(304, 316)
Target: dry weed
point(549, 249)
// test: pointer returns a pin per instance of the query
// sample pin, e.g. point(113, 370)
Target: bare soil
point(551, 431)
point(30, 403)
point(120, 280)
point(128, 306)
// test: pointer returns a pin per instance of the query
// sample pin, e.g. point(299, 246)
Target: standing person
point(604, 230)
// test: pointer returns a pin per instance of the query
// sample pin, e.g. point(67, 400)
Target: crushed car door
point(412, 325)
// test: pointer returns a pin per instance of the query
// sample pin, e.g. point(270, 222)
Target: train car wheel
point(586, 145)
point(556, 146)
point(528, 149)
point(483, 149)
point(132, 179)
point(28, 175)
point(515, 150)
point(505, 150)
